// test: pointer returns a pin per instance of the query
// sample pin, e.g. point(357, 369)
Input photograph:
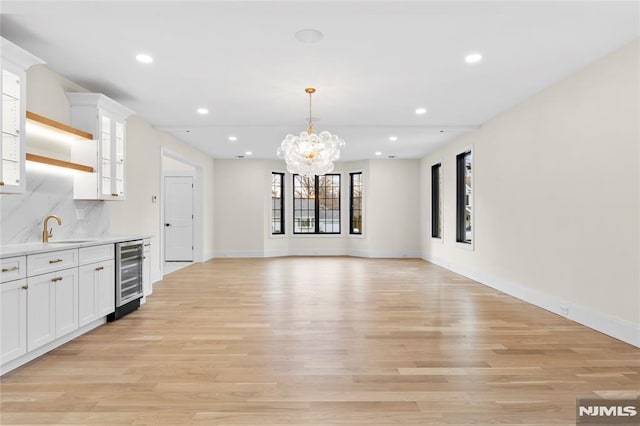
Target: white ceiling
point(378, 62)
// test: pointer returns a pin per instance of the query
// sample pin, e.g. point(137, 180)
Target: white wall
point(139, 214)
point(239, 210)
point(391, 211)
point(171, 166)
point(556, 189)
point(393, 208)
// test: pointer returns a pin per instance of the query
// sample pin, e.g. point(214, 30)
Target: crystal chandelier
point(310, 154)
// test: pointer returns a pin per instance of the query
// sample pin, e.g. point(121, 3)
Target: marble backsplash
point(50, 191)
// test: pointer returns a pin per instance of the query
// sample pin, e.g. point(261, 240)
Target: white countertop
point(71, 243)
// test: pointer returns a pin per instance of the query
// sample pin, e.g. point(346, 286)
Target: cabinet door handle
point(147, 245)
point(13, 268)
point(56, 279)
point(99, 268)
point(56, 261)
point(25, 287)
point(114, 194)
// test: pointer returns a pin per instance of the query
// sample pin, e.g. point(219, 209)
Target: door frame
point(176, 174)
point(198, 207)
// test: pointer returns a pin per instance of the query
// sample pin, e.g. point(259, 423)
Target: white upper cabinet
point(106, 120)
point(15, 62)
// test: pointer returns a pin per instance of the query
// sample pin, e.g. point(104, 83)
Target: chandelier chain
point(310, 127)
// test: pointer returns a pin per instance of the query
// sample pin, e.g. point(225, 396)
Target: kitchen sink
point(69, 241)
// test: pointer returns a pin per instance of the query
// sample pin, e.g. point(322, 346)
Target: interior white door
point(178, 218)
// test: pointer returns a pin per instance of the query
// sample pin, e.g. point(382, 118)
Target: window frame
point(316, 198)
point(351, 227)
point(437, 204)
point(282, 204)
point(461, 240)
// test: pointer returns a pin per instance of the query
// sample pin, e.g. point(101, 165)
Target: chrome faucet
point(46, 235)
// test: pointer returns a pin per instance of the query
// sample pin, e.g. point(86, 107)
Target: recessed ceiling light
point(144, 58)
point(393, 138)
point(473, 58)
point(233, 138)
point(308, 36)
point(421, 111)
point(378, 153)
point(248, 153)
point(202, 111)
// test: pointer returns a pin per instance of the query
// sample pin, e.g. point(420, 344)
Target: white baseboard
point(276, 253)
point(239, 254)
point(317, 252)
point(408, 254)
point(324, 252)
point(618, 328)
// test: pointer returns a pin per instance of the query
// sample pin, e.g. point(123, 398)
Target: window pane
point(304, 218)
point(436, 201)
point(316, 204)
point(277, 203)
point(464, 198)
point(329, 203)
point(355, 216)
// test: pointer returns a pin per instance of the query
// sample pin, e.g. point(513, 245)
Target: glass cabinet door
point(11, 148)
point(119, 159)
point(110, 131)
point(105, 157)
point(112, 163)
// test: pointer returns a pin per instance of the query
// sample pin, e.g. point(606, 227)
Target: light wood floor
point(323, 341)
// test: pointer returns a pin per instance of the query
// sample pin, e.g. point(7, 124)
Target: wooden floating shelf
point(59, 163)
point(57, 126)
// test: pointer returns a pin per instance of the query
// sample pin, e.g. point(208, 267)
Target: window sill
point(317, 235)
point(465, 246)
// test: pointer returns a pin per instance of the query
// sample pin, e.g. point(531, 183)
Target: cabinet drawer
point(96, 253)
point(13, 268)
point(52, 261)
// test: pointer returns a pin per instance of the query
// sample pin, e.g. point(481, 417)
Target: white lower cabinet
point(96, 297)
point(106, 289)
point(13, 320)
point(52, 306)
point(87, 295)
point(48, 298)
point(146, 267)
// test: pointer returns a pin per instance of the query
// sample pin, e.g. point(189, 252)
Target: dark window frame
point(351, 210)
point(316, 198)
point(436, 194)
point(282, 210)
point(461, 231)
